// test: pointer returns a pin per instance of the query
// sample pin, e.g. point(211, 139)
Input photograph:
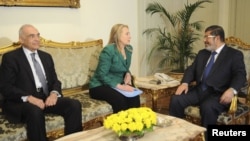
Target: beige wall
point(96, 17)
point(209, 14)
point(239, 19)
point(92, 21)
point(218, 12)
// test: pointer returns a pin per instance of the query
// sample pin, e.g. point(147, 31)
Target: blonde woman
point(113, 71)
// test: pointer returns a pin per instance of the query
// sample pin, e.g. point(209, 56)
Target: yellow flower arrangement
point(134, 121)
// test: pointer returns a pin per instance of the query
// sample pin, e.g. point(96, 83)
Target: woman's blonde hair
point(115, 33)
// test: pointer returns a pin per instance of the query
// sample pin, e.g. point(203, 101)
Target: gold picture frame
point(41, 3)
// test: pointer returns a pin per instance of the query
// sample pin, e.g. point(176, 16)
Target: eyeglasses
point(209, 36)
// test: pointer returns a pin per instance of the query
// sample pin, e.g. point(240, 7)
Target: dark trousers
point(34, 117)
point(207, 100)
point(114, 98)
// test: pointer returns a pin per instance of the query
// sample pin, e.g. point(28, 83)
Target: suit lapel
point(128, 54)
point(26, 64)
point(121, 58)
point(219, 60)
point(205, 60)
point(204, 63)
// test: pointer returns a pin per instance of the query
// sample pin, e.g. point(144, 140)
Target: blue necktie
point(40, 74)
point(207, 70)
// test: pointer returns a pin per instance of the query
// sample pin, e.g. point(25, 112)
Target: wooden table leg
point(155, 95)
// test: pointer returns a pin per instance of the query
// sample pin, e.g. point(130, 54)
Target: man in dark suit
point(214, 93)
point(26, 99)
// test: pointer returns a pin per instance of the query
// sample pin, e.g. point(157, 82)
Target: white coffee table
point(178, 130)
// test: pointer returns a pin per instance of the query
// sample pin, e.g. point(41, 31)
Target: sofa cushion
point(91, 109)
point(226, 118)
point(223, 118)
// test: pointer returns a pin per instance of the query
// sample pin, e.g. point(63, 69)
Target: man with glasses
point(219, 73)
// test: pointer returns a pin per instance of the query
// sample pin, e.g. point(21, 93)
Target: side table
point(156, 90)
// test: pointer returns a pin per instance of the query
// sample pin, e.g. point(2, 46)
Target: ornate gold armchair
point(239, 112)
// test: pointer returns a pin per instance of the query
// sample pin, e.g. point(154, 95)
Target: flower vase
point(130, 137)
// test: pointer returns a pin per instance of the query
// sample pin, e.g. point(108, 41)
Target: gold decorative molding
point(50, 43)
point(238, 42)
point(41, 3)
point(72, 44)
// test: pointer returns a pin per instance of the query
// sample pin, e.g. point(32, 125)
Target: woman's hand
point(125, 87)
point(127, 79)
